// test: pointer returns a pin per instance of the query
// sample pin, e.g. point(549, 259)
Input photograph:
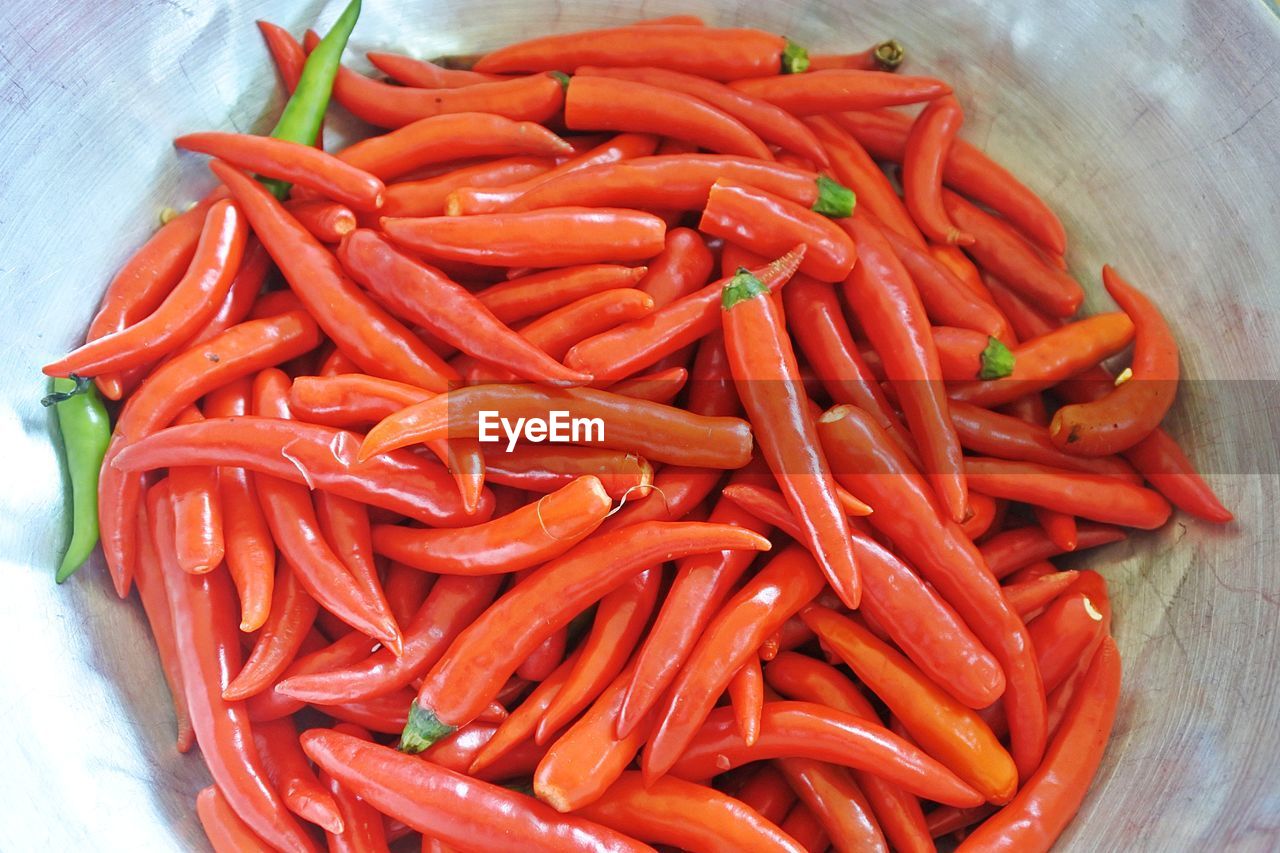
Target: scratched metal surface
point(1152, 127)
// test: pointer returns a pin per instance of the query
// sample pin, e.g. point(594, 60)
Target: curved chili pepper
point(685, 815)
point(345, 525)
point(771, 225)
point(719, 54)
point(967, 170)
point(746, 694)
point(293, 162)
point(318, 657)
point(700, 585)
point(293, 610)
point(838, 90)
point(1000, 250)
point(926, 628)
point(766, 375)
point(985, 510)
point(237, 352)
point(883, 56)
point(861, 457)
point(537, 532)
point(327, 221)
point(836, 801)
point(1009, 551)
point(426, 297)
point(458, 753)
point(923, 160)
point(426, 197)
point(360, 327)
point(209, 649)
point(450, 606)
point(946, 729)
point(656, 432)
point(805, 679)
point(442, 138)
point(805, 730)
point(457, 809)
point(363, 829)
point(519, 726)
point(1044, 361)
point(607, 103)
point(155, 605)
point(1066, 634)
point(768, 793)
point(1053, 794)
point(625, 349)
point(537, 468)
point(226, 832)
point(423, 74)
point(770, 123)
point(683, 182)
point(1129, 412)
point(1092, 496)
point(786, 584)
point(662, 386)
point(552, 237)
point(197, 510)
point(193, 301)
point(684, 265)
point(887, 305)
point(541, 292)
point(489, 650)
point(85, 430)
point(290, 773)
point(624, 146)
point(620, 620)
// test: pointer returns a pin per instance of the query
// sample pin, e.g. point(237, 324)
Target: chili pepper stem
point(834, 199)
point(741, 287)
point(423, 729)
point(795, 59)
point(889, 54)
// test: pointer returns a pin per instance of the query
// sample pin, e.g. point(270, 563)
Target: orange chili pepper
point(427, 196)
point(1009, 551)
point(746, 694)
point(882, 56)
point(928, 145)
point(327, 221)
point(197, 509)
point(291, 774)
point(836, 802)
point(519, 726)
point(226, 832)
point(623, 476)
point(542, 292)
point(840, 89)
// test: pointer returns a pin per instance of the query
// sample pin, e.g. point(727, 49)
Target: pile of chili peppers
point(797, 596)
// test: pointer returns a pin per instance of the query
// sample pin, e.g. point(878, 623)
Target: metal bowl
point(1152, 127)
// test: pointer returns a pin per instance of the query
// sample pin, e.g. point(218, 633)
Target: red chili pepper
point(155, 604)
point(240, 351)
point(537, 468)
point(290, 773)
point(459, 810)
point(808, 680)
point(838, 90)
point(1000, 250)
point(985, 512)
point(488, 652)
point(746, 694)
point(927, 629)
point(450, 606)
point(426, 197)
point(423, 74)
point(624, 146)
point(327, 221)
point(802, 825)
point(928, 145)
point(968, 171)
point(1051, 796)
point(681, 490)
point(1042, 362)
point(287, 54)
point(786, 584)
point(345, 524)
point(771, 225)
point(1092, 496)
point(539, 293)
point(946, 729)
point(770, 123)
point(620, 620)
point(883, 56)
point(662, 386)
point(1009, 551)
point(768, 793)
point(884, 299)
point(1129, 412)
point(658, 433)
point(443, 138)
point(531, 535)
point(836, 802)
point(804, 730)
point(628, 348)
point(458, 752)
point(209, 647)
point(766, 375)
point(518, 728)
point(226, 832)
point(360, 327)
point(861, 457)
point(719, 54)
point(191, 303)
point(1030, 596)
point(684, 265)
point(349, 649)
point(293, 611)
point(685, 815)
point(605, 103)
point(197, 509)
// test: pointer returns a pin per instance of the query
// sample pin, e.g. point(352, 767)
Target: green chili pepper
point(304, 113)
point(86, 430)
